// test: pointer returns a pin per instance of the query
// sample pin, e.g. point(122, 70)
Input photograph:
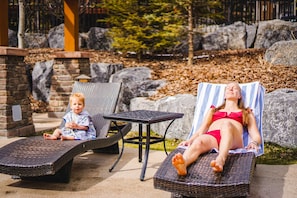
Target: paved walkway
point(91, 178)
point(42, 122)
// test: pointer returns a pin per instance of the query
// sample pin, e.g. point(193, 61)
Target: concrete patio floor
point(91, 178)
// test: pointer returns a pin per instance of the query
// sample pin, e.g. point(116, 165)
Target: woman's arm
point(202, 129)
point(253, 131)
point(206, 122)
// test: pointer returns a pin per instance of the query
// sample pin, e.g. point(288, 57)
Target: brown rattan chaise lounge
point(201, 181)
point(36, 158)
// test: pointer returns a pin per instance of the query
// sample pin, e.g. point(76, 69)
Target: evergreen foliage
point(155, 26)
point(145, 29)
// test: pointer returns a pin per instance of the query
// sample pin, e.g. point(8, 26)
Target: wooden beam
point(71, 25)
point(4, 23)
point(294, 11)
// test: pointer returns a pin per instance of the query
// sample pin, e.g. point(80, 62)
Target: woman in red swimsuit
point(222, 129)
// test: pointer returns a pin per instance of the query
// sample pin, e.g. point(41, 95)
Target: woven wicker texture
point(101, 99)
point(201, 181)
point(34, 156)
point(145, 116)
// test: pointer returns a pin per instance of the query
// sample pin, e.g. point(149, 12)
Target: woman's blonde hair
point(79, 96)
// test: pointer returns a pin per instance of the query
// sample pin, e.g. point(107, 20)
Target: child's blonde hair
point(79, 96)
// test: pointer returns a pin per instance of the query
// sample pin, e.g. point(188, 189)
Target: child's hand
point(71, 125)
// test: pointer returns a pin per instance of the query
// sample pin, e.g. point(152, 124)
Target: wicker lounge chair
point(34, 157)
point(201, 181)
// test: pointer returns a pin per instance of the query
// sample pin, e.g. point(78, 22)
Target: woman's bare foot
point(216, 166)
point(48, 136)
point(179, 163)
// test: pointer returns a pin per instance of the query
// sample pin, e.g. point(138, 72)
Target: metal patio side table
point(145, 117)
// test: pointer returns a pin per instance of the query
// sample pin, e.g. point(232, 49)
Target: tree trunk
point(21, 30)
point(190, 33)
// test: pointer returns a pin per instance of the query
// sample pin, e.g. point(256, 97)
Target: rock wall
point(235, 36)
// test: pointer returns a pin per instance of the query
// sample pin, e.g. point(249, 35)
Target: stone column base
point(15, 108)
point(67, 67)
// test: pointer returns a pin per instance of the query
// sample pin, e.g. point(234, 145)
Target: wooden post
point(71, 24)
point(4, 23)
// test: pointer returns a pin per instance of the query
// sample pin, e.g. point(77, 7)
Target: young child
point(78, 123)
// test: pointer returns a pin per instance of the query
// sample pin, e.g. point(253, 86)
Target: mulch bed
point(209, 66)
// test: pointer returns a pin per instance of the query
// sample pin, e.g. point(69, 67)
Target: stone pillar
point(15, 108)
point(67, 67)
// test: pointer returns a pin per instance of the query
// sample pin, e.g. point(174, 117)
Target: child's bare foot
point(63, 137)
point(217, 167)
point(48, 136)
point(179, 163)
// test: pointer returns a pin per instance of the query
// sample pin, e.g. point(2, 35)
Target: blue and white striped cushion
point(213, 94)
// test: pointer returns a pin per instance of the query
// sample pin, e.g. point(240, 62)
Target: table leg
point(140, 143)
point(122, 150)
point(147, 150)
point(164, 137)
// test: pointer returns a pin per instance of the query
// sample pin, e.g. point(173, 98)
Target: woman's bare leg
point(201, 145)
point(230, 139)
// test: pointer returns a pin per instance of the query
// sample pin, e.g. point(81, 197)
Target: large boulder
point(227, 37)
point(56, 37)
point(101, 72)
point(136, 83)
point(182, 103)
point(282, 53)
point(35, 40)
point(280, 117)
point(183, 44)
point(251, 31)
point(98, 39)
point(41, 80)
point(12, 38)
point(270, 32)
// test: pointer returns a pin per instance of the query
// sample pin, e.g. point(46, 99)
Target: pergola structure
point(15, 110)
point(71, 24)
point(4, 23)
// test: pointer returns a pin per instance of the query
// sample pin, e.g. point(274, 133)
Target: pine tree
point(198, 10)
point(144, 29)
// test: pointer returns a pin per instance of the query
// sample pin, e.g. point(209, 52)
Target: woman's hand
point(185, 143)
point(253, 145)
